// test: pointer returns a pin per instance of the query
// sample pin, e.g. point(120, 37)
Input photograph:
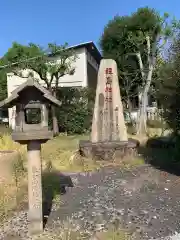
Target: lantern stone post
point(34, 186)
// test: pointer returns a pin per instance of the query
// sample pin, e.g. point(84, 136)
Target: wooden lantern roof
point(31, 83)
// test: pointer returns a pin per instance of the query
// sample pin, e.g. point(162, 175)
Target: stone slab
point(108, 150)
point(108, 119)
point(25, 137)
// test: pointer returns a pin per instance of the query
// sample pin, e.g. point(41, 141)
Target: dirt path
point(145, 200)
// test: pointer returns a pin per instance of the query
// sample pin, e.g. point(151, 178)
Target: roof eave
point(81, 45)
point(9, 102)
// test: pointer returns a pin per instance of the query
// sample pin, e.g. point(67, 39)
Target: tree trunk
point(54, 121)
point(142, 125)
point(129, 109)
point(132, 121)
point(54, 117)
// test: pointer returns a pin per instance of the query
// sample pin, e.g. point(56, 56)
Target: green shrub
point(4, 129)
point(156, 124)
point(131, 129)
point(75, 114)
point(176, 152)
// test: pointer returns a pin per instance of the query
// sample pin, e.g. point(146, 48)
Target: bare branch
point(130, 95)
point(51, 80)
point(131, 73)
point(141, 66)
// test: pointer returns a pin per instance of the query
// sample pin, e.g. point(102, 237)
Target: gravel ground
point(145, 201)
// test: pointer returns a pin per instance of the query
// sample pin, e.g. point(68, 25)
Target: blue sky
point(73, 21)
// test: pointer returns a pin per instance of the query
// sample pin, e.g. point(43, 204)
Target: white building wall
point(78, 79)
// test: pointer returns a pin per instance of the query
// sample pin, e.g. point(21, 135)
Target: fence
point(155, 114)
point(152, 114)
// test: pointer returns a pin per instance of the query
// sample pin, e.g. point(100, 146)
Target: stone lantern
point(32, 102)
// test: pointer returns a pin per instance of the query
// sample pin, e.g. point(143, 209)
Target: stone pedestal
point(108, 151)
point(35, 215)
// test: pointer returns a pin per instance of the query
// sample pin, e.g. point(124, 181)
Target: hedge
point(75, 114)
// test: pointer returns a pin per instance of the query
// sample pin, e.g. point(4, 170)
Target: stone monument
point(109, 133)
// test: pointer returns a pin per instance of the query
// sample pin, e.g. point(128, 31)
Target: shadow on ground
point(161, 152)
point(53, 183)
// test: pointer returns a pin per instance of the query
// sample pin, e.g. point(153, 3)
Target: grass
point(115, 234)
point(62, 154)
point(13, 188)
point(12, 198)
point(6, 143)
point(58, 155)
point(68, 233)
point(131, 163)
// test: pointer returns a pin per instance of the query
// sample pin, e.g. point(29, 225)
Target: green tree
point(169, 86)
point(134, 42)
point(3, 85)
point(47, 65)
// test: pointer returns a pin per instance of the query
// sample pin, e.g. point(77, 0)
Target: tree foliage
point(125, 36)
point(47, 65)
point(40, 62)
point(75, 114)
point(169, 86)
point(134, 42)
point(3, 85)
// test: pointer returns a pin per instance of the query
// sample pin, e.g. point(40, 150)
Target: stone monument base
point(109, 150)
